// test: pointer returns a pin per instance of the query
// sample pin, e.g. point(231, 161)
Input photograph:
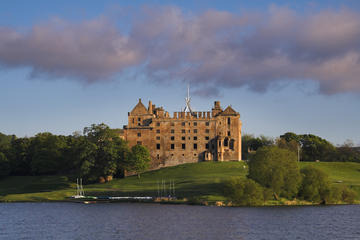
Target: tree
point(251, 143)
point(4, 165)
point(276, 169)
point(18, 156)
point(315, 185)
point(137, 160)
point(244, 192)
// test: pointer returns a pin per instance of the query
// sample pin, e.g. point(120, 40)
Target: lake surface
point(154, 221)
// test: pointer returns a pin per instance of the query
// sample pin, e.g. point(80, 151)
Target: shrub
point(244, 192)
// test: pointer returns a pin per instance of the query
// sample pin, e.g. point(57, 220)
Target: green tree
point(251, 143)
point(315, 185)
point(137, 160)
point(277, 169)
point(4, 165)
point(18, 156)
point(244, 192)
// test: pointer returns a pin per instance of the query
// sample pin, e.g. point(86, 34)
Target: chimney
point(150, 108)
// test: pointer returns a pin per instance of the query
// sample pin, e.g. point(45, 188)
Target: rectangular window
point(138, 142)
point(195, 138)
point(207, 146)
point(183, 124)
point(139, 134)
point(183, 138)
point(172, 138)
point(158, 138)
point(172, 146)
point(195, 123)
point(195, 145)
point(133, 120)
point(139, 119)
point(158, 124)
point(158, 131)
point(207, 123)
point(172, 124)
point(229, 121)
point(207, 130)
point(158, 146)
point(183, 131)
point(207, 138)
point(172, 131)
point(228, 133)
point(195, 130)
point(183, 146)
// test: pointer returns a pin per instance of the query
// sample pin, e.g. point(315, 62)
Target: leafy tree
point(108, 149)
point(137, 160)
point(4, 165)
point(347, 153)
point(46, 153)
point(277, 169)
point(315, 185)
point(19, 157)
point(251, 143)
point(291, 145)
point(244, 192)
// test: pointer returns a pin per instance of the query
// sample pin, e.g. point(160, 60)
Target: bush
point(244, 192)
point(348, 195)
point(276, 169)
point(315, 186)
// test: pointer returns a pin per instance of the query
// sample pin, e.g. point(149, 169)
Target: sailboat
point(79, 189)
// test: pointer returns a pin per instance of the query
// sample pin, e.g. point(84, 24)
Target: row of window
point(184, 131)
point(184, 123)
point(183, 146)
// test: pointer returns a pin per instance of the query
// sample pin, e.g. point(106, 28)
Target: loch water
point(157, 221)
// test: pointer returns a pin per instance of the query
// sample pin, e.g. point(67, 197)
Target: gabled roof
point(139, 109)
point(229, 111)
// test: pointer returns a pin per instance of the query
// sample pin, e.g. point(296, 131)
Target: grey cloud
point(214, 48)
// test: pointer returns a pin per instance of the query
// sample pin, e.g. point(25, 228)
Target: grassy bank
point(194, 181)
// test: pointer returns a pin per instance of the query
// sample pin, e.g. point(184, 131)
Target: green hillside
point(198, 180)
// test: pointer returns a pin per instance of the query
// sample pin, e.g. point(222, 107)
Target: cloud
point(212, 50)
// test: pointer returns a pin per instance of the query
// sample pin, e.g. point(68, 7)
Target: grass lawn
point(197, 180)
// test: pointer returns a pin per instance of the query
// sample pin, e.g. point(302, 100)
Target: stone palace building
point(186, 136)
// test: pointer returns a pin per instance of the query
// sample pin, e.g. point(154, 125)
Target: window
point(195, 123)
point(195, 145)
point(138, 142)
point(207, 138)
point(195, 130)
point(226, 142)
point(139, 124)
point(219, 143)
point(139, 119)
point(207, 123)
point(158, 124)
point(133, 120)
point(183, 124)
point(228, 133)
point(158, 156)
point(194, 154)
point(172, 124)
point(158, 146)
point(195, 138)
point(207, 130)
point(172, 131)
point(158, 138)
point(158, 131)
point(207, 146)
point(172, 146)
point(229, 121)
point(183, 146)
point(172, 138)
point(139, 134)
point(232, 141)
point(183, 131)
point(183, 138)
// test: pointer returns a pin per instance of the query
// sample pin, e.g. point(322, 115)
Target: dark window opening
point(138, 142)
point(133, 120)
point(207, 138)
point(228, 133)
point(183, 138)
point(207, 146)
point(139, 124)
point(172, 138)
point(195, 123)
point(207, 130)
point(195, 130)
point(183, 146)
point(195, 138)
point(139, 119)
point(232, 142)
point(139, 134)
point(229, 121)
point(194, 154)
point(226, 142)
point(172, 146)
point(183, 131)
point(183, 124)
point(158, 138)
point(158, 146)
point(158, 156)
point(158, 124)
point(158, 131)
point(172, 131)
point(207, 123)
point(195, 145)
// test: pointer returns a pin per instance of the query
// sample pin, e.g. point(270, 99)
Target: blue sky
point(283, 65)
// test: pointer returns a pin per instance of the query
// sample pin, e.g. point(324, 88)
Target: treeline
point(308, 147)
point(274, 174)
point(97, 155)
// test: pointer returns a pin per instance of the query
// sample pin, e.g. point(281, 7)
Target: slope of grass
point(197, 180)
